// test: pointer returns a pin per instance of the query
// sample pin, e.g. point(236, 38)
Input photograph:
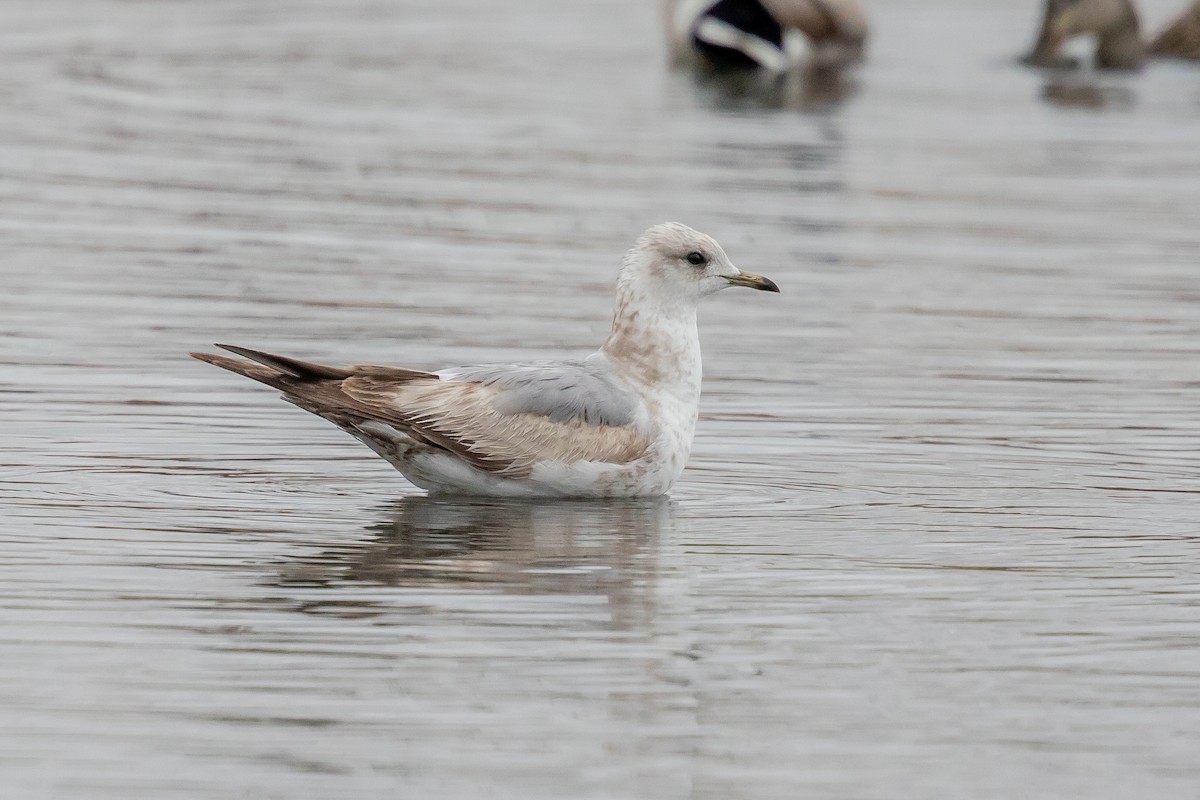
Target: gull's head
point(673, 261)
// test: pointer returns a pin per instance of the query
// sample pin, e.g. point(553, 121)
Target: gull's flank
point(617, 423)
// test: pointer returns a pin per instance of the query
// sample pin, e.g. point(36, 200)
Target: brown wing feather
point(257, 372)
point(287, 365)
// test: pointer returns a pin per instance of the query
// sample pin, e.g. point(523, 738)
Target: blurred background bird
point(766, 34)
point(1116, 27)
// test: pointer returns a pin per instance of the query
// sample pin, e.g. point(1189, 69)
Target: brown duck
point(1117, 29)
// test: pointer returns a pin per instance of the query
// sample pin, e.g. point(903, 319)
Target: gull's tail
point(349, 397)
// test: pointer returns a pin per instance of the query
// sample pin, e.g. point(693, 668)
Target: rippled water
point(939, 535)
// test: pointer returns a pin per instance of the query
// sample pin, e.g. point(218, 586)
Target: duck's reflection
point(1070, 89)
point(606, 548)
point(808, 89)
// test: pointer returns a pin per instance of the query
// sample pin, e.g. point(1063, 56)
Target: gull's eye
point(696, 259)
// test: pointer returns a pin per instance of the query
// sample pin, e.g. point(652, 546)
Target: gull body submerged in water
point(617, 423)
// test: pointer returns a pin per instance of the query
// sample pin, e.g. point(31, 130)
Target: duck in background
point(1116, 26)
point(1180, 39)
point(756, 33)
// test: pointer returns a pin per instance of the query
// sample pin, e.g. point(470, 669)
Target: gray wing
point(562, 391)
point(508, 418)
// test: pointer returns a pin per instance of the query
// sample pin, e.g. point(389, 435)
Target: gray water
point(938, 537)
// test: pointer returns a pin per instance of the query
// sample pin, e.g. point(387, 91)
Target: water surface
point(938, 537)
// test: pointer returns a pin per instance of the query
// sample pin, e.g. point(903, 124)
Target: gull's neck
point(654, 341)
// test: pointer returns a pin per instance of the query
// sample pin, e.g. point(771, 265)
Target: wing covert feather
point(562, 391)
point(466, 417)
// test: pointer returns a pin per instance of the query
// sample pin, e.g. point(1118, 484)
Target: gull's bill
point(753, 281)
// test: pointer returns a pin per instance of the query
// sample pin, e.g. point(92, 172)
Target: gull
point(618, 423)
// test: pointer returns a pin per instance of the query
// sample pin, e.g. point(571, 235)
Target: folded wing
point(508, 418)
point(503, 419)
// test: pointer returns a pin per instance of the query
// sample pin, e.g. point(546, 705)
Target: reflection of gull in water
point(585, 547)
point(618, 423)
